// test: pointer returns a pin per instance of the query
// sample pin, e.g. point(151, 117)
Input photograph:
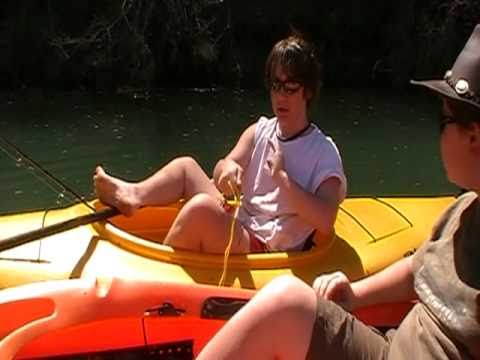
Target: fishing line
point(45, 172)
point(235, 202)
point(39, 178)
point(36, 166)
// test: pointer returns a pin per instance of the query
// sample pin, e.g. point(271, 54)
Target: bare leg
point(181, 178)
point(203, 225)
point(276, 324)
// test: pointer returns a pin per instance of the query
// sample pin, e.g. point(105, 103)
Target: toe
point(99, 171)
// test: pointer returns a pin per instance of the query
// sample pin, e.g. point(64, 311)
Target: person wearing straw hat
point(287, 319)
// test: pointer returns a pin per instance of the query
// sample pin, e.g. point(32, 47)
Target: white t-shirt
point(309, 159)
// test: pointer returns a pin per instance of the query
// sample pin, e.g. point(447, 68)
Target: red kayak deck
point(141, 319)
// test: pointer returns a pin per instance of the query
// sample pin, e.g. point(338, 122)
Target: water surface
point(388, 141)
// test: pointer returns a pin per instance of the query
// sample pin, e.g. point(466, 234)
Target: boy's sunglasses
point(287, 87)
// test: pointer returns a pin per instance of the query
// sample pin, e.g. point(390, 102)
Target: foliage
point(123, 44)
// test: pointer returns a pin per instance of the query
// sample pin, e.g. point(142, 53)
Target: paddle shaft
point(8, 243)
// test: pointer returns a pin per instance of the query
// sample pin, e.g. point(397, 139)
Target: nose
point(280, 94)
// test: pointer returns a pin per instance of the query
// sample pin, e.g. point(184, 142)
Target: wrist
point(282, 178)
point(357, 295)
point(218, 169)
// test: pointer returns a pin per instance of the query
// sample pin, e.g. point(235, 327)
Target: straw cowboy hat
point(462, 81)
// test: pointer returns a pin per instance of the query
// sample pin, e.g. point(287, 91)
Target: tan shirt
point(446, 322)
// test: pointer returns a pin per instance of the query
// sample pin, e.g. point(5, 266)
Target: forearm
point(240, 154)
point(393, 284)
point(227, 176)
point(319, 211)
point(217, 170)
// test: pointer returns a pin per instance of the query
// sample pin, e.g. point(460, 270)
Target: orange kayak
point(108, 289)
point(102, 318)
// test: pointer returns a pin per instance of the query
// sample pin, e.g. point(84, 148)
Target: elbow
point(325, 229)
point(324, 232)
point(325, 226)
point(325, 223)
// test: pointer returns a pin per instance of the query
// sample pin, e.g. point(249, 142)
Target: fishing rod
point(103, 214)
point(44, 171)
point(17, 240)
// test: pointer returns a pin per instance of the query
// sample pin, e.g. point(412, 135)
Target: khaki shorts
point(339, 335)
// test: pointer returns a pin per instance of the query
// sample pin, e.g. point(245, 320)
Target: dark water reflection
point(389, 141)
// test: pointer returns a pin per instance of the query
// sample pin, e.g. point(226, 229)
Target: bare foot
point(115, 192)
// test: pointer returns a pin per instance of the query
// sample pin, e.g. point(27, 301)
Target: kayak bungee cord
point(235, 203)
point(33, 163)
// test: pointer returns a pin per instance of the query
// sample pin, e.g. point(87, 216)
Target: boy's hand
point(335, 287)
point(275, 162)
point(230, 179)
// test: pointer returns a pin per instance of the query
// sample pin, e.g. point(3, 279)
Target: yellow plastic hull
point(370, 234)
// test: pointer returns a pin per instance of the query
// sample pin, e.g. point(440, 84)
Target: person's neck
point(289, 129)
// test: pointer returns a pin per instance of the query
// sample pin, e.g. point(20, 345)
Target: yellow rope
point(235, 202)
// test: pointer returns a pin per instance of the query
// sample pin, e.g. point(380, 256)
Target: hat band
point(461, 88)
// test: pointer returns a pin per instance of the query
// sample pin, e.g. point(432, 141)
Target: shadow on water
point(388, 141)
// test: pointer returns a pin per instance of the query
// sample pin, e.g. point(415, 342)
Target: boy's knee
point(199, 206)
point(286, 283)
point(201, 201)
point(187, 162)
point(293, 292)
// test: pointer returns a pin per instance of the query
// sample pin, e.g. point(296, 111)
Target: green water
point(388, 141)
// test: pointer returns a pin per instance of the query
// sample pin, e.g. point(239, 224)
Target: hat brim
point(441, 87)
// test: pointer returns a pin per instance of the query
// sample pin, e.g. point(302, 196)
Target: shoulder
point(446, 225)
point(454, 211)
point(460, 205)
point(264, 122)
point(322, 138)
point(264, 126)
point(467, 197)
point(260, 124)
point(324, 144)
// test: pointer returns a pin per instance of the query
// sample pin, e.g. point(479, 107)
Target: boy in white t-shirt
point(289, 173)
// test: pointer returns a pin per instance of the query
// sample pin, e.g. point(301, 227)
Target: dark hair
point(463, 113)
point(299, 61)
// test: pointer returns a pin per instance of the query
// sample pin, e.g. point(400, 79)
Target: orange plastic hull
point(98, 317)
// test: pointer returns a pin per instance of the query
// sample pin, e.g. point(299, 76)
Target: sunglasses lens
point(291, 88)
point(287, 87)
point(276, 85)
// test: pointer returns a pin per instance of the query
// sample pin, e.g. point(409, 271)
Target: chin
point(461, 183)
point(282, 117)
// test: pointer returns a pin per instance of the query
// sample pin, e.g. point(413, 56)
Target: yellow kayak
point(371, 233)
